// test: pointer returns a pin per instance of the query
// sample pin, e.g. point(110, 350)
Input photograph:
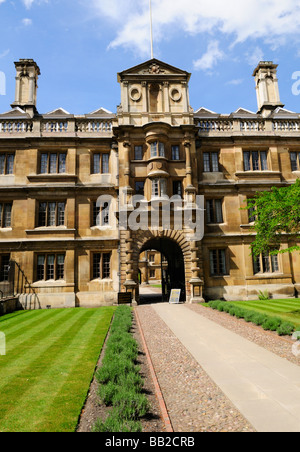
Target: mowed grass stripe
point(17, 325)
point(33, 340)
point(280, 307)
point(72, 392)
point(54, 374)
point(28, 372)
point(275, 309)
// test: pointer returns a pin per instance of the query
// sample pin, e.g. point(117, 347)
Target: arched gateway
point(178, 251)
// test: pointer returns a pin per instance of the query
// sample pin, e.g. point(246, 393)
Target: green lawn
point(49, 364)
point(288, 310)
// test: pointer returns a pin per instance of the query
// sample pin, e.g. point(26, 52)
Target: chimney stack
point(267, 90)
point(26, 85)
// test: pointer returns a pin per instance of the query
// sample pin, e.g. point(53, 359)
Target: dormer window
point(157, 149)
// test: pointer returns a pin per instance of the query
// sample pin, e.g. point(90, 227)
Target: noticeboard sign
point(175, 296)
point(125, 298)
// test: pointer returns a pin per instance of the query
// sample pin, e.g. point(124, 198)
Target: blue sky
point(81, 45)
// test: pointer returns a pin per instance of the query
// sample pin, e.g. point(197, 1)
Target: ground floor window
point(50, 267)
point(217, 259)
point(101, 266)
point(4, 267)
point(265, 263)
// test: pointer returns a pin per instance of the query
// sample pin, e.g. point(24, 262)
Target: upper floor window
point(51, 214)
point(100, 215)
point(266, 263)
point(177, 188)
point(211, 162)
point(140, 188)
point(100, 163)
point(255, 161)
point(5, 215)
point(175, 153)
point(217, 260)
point(138, 152)
point(214, 211)
point(152, 258)
point(7, 164)
point(50, 267)
point(159, 187)
point(53, 163)
point(295, 161)
point(157, 149)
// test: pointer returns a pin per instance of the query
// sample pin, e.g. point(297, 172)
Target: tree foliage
point(277, 218)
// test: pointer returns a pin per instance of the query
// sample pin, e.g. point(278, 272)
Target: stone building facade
point(67, 181)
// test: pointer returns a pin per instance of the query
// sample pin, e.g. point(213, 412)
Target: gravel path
point(281, 346)
point(194, 402)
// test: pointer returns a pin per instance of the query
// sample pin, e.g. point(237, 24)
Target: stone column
point(130, 284)
point(187, 147)
point(166, 97)
point(196, 282)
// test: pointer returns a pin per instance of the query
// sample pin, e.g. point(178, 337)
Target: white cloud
point(239, 20)
point(210, 58)
point(28, 3)
point(235, 82)
point(27, 22)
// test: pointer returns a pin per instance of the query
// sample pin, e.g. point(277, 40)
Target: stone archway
point(180, 272)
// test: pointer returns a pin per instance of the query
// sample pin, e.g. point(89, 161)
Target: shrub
point(232, 311)
point(249, 315)
point(111, 369)
point(215, 304)
point(258, 319)
point(115, 424)
point(131, 404)
point(240, 313)
point(272, 324)
point(264, 296)
point(286, 329)
point(227, 307)
point(120, 379)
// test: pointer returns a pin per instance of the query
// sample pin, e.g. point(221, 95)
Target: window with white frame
point(50, 267)
point(101, 214)
point(51, 214)
point(159, 187)
point(157, 149)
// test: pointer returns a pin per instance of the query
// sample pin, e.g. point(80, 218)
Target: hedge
point(268, 323)
point(121, 384)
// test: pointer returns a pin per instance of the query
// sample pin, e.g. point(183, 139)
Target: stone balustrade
point(213, 127)
point(14, 128)
point(89, 127)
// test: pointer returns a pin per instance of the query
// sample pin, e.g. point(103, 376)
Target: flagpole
point(151, 30)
